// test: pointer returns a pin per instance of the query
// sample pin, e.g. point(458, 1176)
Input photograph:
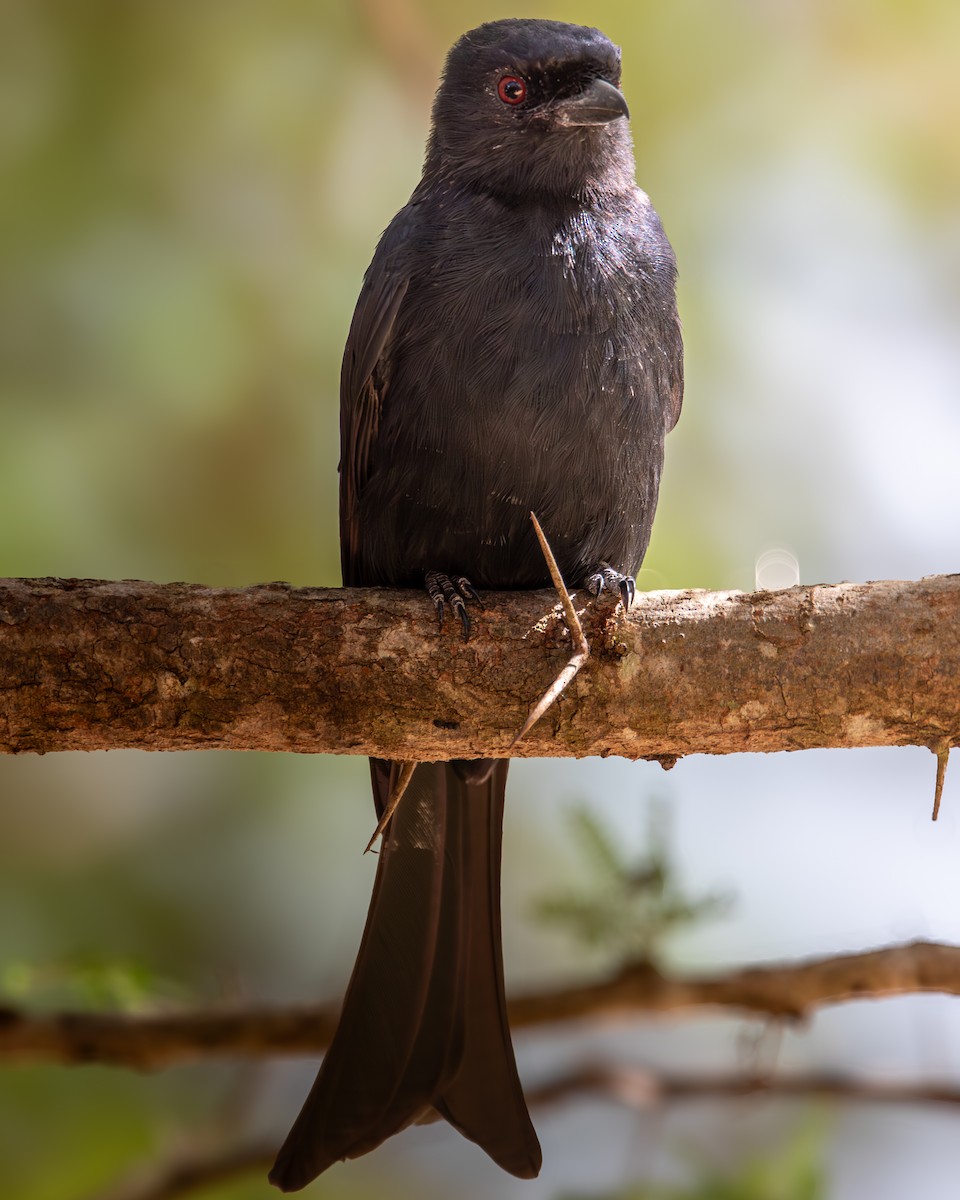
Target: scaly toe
point(454, 592)
point(606, 578)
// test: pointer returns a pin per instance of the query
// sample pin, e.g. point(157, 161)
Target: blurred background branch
point(183, 1171)
point(640, 1088)
point(790, 991)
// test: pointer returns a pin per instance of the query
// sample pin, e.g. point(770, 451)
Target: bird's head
point(531, 108)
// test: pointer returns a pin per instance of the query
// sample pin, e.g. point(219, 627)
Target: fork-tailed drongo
point(515, 348)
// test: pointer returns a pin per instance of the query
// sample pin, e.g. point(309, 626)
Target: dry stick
point(579, 657)
point(942, 751)
point(581, 646)
point(404, 776)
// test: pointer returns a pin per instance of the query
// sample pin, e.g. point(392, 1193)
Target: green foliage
point(88, 983)
point(791, 1172)
point(628, 908)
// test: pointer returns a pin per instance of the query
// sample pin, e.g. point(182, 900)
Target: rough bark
point(790, 991)
point(90, 665)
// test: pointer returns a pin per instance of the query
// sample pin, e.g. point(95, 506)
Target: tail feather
point(424, 1017)
point(485, 1100)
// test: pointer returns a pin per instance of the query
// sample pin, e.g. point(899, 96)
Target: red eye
point(512, 90)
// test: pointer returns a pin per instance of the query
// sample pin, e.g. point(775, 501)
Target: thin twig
point(404, 775)
point(942, 751)
point(581, 646)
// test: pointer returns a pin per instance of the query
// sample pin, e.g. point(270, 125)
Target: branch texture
point(779, 990)
point(88, 665)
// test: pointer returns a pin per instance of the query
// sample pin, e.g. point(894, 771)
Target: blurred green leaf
point(628, 907)
point(87, 983)
point(792, 1172)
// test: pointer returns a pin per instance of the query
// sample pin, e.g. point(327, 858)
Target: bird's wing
point(362, 387)
point(675, 400)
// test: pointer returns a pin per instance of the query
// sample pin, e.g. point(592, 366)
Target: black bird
point(515, 347)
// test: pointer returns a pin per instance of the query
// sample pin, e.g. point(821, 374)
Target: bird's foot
point(454, 590)
point(606, 578)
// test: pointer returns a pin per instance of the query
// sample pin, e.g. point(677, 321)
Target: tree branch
point(640, 1088)
point(182, 1172)
point(89, 665)
point(781, 990)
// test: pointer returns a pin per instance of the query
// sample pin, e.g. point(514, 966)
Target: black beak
point(598, 103)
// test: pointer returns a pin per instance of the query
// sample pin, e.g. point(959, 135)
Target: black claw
point(606, 578)
point(467, 590)
point(433, 582)
point(444, 590)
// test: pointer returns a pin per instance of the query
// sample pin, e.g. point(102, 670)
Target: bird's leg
point(581, 646)
point(453, 590)
point(606, 578)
